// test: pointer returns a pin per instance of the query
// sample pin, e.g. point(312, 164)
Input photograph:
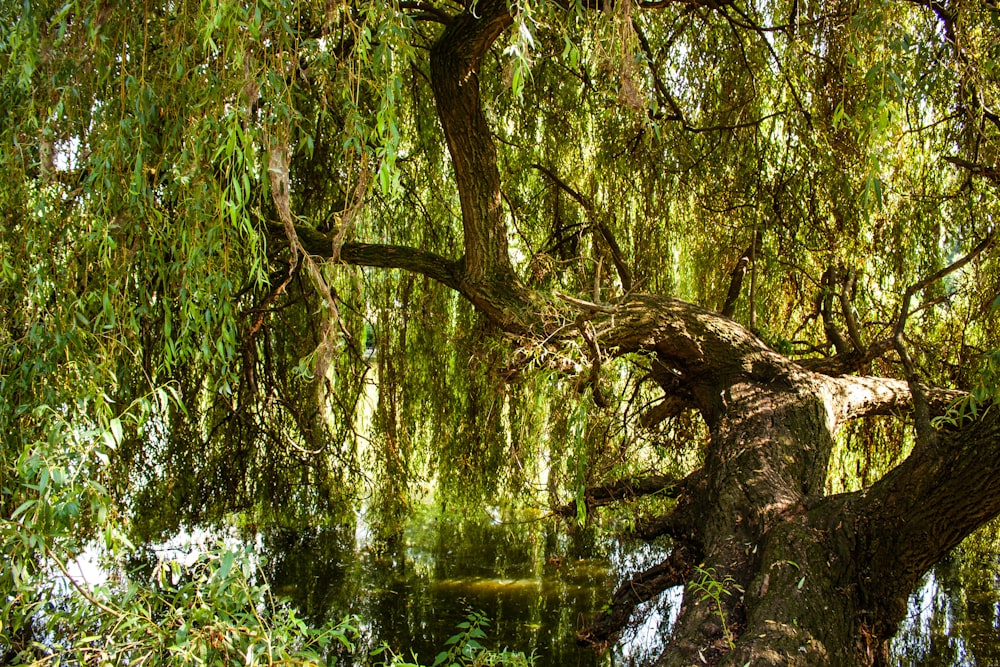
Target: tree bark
point(455, 62)
point(811, 580)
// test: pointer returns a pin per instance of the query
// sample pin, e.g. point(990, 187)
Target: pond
point(536, 583)
point(539, 585)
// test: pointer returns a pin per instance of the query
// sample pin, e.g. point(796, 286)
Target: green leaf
point(23, 507)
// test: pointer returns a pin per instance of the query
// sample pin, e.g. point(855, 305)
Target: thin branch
point(777, 62)
point(735, 284)
point(944, 14)
point(847, 307)
point(351, 214)
point(581, 199)
point(624, 274)
point(737, 275)
point(921, 408)
point(833, 333)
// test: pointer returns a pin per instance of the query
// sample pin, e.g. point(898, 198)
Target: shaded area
point(537, 584)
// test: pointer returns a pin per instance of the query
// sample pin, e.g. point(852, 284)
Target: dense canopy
point(285, 258)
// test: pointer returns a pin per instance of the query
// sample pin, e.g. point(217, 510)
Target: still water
point(540, 585)
point(537, 584)
point(954, 614)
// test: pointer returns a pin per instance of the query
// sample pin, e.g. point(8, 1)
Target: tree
point(214, 210)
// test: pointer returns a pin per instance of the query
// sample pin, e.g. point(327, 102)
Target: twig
point(588, 305)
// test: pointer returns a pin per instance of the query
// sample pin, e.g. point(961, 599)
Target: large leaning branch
point(920, 510)
point(644, 586)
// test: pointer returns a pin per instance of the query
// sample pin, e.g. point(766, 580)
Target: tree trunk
point(809, 580)
point(455, 62)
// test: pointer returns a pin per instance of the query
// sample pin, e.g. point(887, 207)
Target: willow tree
point(556, 223)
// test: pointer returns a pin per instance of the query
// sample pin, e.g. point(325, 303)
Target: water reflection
point(954, 614)
point(537, 584)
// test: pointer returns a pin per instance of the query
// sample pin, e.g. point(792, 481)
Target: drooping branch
point(847, 309)
point(587, 333)
point(833, 333)
point(735, 285)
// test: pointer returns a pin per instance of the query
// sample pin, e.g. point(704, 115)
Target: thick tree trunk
point(810, 580)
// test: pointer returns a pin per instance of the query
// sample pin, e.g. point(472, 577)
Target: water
point(537, 585)
point(953, 617)
point(540, 585)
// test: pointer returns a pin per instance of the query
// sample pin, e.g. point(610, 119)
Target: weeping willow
point(170, 335)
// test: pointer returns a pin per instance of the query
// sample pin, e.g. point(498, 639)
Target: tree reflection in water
point(954, 614)
point(539, 586)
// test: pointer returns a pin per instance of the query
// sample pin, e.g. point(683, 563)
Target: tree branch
point(625, 489)
point(920, 510)
point(851, 397)
point(624, 274)
point(427, 12)
point(735, 284)
point(443, 270)
point(987, 172)
point(921, 407)
point(674, 571)
point(737, 275)
point(455, 61)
